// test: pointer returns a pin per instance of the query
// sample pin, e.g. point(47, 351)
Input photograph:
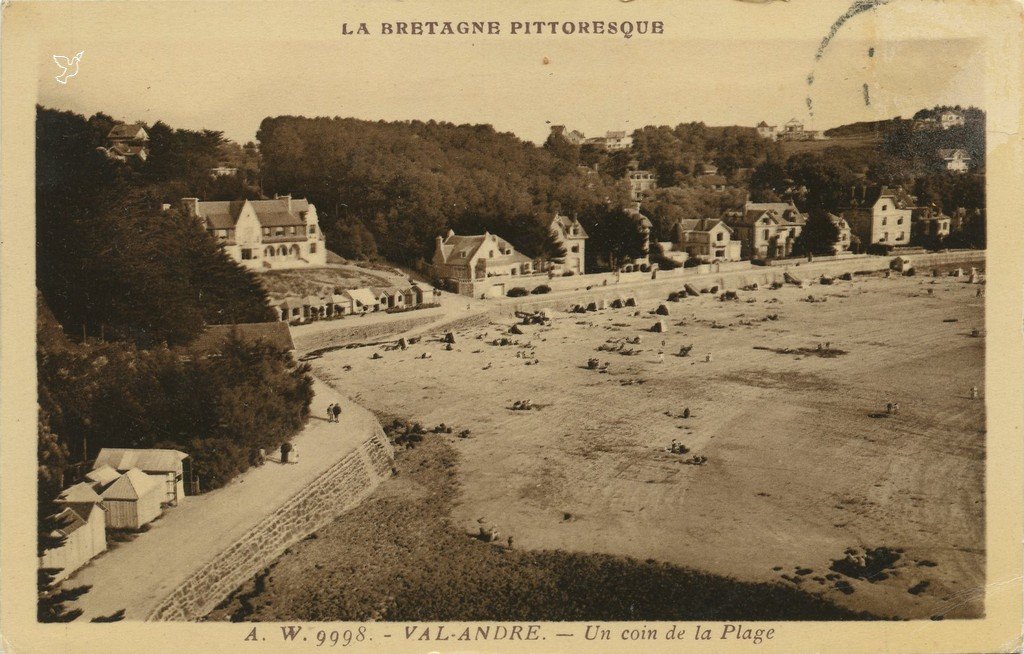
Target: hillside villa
point(956, 160)
point(127, 142)
point(571, 235)
point(264, 234)
point(950, 118)
point(880, 214)
point(640, 181)
point(766, 230)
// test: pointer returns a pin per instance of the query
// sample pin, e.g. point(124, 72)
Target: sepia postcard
point(563, 326)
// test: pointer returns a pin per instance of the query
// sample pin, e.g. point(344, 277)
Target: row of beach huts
point(125, 490)
point(355, 301)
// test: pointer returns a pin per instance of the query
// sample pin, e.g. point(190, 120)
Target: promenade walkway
point(136, 575)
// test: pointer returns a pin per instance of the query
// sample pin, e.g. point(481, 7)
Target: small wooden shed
point(132, 501)
point(83, 524)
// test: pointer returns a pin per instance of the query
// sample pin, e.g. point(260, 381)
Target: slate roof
point(784, 212)
point(457, 248)
point(700, 224)
point(563, 223)
point(125, 130)
point(866, 197)
point(279, 212)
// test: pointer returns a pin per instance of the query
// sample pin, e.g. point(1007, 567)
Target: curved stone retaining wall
point(339, 488)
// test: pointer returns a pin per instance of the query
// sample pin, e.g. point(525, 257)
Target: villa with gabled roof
point(477, 257)
point(571, 235)
point(264, 234)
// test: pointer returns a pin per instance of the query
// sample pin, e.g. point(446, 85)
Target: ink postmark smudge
point(858, 7)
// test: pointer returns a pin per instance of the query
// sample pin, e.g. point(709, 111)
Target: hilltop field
point(808, 487)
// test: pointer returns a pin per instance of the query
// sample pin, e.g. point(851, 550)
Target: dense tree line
point(220, 410)
point(391, 187)
point(109, 260)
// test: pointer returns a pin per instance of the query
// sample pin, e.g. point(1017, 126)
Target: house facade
point(929, 222)
point(469, 258)
point(956, 160)
point(766, 230)
point(640, 182)
point(264, 234)
point(880, 214)
point(706, 239)
point(571, 235)
point(764, 130)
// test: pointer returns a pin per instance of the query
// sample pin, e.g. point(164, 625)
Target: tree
point(818, 236)
point(615, 236)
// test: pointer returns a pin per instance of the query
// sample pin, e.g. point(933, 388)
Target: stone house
point(571, 235)
point(706, 239)
point(880, 214)
point(468, 258)
point(264, 234)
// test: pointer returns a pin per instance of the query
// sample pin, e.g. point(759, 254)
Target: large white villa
point(264, 234)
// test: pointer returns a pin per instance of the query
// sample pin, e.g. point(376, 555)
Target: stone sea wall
point(339, 488)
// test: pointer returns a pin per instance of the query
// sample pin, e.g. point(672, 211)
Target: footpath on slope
point(137, 575)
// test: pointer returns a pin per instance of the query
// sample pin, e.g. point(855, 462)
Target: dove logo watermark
point(69, 67)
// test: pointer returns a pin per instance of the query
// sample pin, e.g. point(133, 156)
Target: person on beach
point(330, 413)
point(336, 411)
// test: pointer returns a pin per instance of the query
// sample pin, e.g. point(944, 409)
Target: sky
point(226, 66)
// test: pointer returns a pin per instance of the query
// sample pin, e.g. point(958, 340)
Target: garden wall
point(339, 488)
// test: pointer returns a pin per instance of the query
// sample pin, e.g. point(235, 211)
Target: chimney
point(451, 232)
point(191, 205)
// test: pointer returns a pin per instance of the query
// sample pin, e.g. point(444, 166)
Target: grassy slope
point(319, 281)
point(397, 557)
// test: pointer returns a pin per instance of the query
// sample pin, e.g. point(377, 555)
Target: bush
point(517, 291)
point(691, 263)
point(878, 249)
point(645, 267)
point(541, 290)
point(568, 273)
point(627, 268)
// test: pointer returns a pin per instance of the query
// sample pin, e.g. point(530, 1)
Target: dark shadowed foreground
point(398, 557)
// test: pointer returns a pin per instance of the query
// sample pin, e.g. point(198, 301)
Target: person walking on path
point(330, 413)
point(336, 412)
